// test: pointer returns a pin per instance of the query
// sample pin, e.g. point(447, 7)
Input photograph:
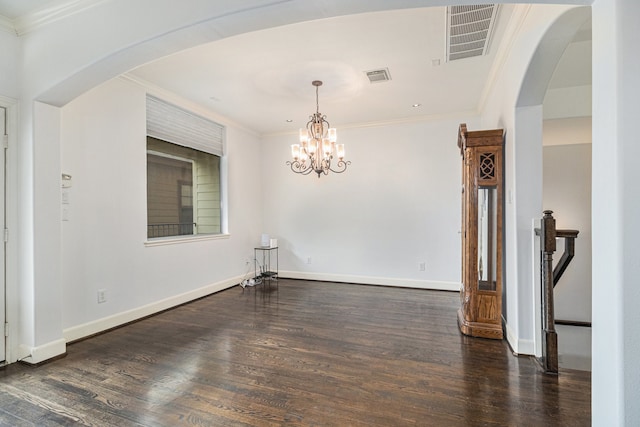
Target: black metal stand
point(267, 271)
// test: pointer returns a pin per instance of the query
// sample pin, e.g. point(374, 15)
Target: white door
point(3, 131)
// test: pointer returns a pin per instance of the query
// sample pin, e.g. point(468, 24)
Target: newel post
point(548, 247)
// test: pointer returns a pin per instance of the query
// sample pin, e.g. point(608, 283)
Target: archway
point(524, 152)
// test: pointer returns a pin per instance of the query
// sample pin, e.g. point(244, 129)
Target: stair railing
point(550, 276)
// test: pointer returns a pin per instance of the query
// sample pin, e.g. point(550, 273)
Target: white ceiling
point(262, 79)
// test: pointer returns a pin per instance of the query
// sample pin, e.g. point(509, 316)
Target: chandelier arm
point(299, 167)
point(342, 165)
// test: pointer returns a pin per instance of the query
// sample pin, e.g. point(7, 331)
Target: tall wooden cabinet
point(480, 314)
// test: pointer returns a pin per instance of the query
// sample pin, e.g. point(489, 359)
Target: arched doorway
point(524, 150)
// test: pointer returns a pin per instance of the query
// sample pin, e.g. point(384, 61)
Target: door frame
point(11, 247)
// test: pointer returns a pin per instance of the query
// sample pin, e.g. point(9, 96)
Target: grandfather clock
point(480, 314)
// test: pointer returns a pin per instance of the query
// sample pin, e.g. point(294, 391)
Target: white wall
point(572, 130)
point(573, 101)
point(616, 209)
point(103, 136)
point(567, 191)
point(47, 340)
point(10, 48)
point(396, 206)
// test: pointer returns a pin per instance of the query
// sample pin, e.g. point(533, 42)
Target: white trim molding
point(13, 350)
point(519, 346)
point(45, 352)
point(59, 10)
point(368, 280)
point(100, 325)
point(6, 25)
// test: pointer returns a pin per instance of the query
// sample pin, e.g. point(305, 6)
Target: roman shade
point(171, 123)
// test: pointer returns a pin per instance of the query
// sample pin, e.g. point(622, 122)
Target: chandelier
point(317, 146)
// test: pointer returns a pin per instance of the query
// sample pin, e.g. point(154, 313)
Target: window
point(183, 172)
point(183, 190)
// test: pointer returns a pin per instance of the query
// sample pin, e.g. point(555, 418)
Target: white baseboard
point(510, 336)
point(44, 352)
point(106, 323)
point(368, 280)
point(526, 347)
point(519, 346)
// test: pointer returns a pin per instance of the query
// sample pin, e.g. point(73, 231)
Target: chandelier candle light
point(317, 146)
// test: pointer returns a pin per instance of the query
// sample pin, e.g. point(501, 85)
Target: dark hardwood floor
point(304, 353)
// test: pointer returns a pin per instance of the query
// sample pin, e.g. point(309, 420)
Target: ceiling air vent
point(377, 76)
point(469, 30)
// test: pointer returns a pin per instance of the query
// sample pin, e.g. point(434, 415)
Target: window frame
point(219, 146)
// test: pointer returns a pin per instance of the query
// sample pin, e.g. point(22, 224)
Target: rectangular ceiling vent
point(377, 76)
point(469, 30)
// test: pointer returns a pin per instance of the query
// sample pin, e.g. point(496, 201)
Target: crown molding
point(516, 24)
point(6, 25)
point(39, 18)
point(425, 118)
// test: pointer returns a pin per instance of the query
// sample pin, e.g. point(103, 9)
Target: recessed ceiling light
point(289, 120)
point(416, 105)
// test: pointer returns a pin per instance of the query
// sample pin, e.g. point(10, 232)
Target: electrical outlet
point(423, 266)
point(102, 296)
point(308, 260)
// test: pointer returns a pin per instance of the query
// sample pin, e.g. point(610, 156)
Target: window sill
point(163, 241)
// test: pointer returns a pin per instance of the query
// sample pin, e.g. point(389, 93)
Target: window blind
point(171, 123)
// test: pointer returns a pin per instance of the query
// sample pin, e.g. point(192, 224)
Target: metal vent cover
point(377, 76)
point(469, 30)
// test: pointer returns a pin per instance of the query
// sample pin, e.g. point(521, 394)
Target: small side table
point(268, 269)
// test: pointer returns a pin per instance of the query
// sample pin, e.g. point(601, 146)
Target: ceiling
point(262, 80)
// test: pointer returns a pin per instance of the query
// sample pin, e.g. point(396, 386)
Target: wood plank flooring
point(304, 353)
